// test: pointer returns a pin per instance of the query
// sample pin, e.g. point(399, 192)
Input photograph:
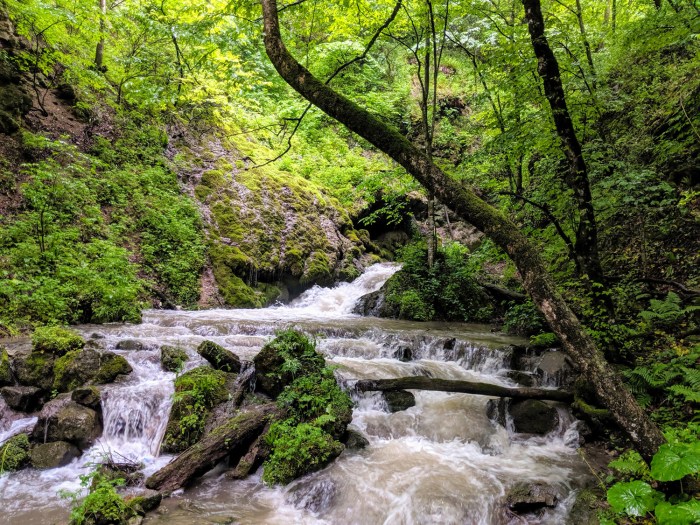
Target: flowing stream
point(440, 462)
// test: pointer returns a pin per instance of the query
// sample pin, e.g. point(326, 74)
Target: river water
point(439, 462)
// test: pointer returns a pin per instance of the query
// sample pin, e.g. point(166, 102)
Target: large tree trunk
point(464, 387)
point(467, 205)
point(235, 435)
point(587, 233)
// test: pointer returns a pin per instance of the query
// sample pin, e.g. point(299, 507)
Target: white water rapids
point(440, 462)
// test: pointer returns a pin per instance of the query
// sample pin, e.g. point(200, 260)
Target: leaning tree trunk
point(586, 245)
point(467, 205)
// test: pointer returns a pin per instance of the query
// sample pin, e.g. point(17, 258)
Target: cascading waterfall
point(441, 461)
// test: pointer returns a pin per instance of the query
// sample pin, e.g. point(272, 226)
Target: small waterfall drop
point(440, 461)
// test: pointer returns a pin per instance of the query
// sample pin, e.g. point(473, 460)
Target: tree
point(470, 207)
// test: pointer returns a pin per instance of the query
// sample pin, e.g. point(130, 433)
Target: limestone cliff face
point(271, 234)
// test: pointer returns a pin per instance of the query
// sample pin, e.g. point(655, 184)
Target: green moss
point(35, 370)
point(112, 366)
point(297, 450)
point(56, 340)
point(202, 192)
point(172, 358)
point(5, 372)
point(64, 378)
point(196, 393)
point(14, 454)
point(213, 178)
point(317, 270)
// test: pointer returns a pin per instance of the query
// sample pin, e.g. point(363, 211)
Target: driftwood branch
point(463, 387)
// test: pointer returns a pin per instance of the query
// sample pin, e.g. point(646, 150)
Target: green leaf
point(635, 498)
point(675, 461)
point(686, 513)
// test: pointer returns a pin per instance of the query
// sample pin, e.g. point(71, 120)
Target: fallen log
point(235, 435)
point(464, 387)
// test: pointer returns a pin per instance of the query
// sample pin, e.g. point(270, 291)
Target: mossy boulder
point(197, 391)
point(14, 454)
point(56, 340)
point(80, 367)
point(355, 440)
point(277, 363)
point(22, 398)
point(73, 423)
point(88, 396)
point(6, 378)
point(52, 455)
point(219, 358)
point(130, 344)
point(145, 501)
point(35, 369)
point(172, 358)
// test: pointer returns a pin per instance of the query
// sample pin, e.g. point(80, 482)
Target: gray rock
point(22, 398)
point(73, 423)
point(219, 358)
point(172, 358)
point(528, 497)
point(34, 369)
point(399, 400)
point(355, 440)
point(531, 416)
point(404, 354)
point(130, 344)
point(5, 370)
point(52, 455)
point(522, 378)
point(88, 396)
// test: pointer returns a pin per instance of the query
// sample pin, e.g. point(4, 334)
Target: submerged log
point(464, 387)
point(235, 435)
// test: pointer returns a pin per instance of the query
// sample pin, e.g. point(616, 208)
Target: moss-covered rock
point(35, 369)
point(219, 358)
point(531, 416)
point(172, 358)
point(196, 393)
point(14, 454)
point(399, 400)
point(52, 455)
point(298, 450)
point(88, 396)
point(73, 423)
point(5, 370)
point(145, 501)
point(56, 340)
point(277, 363)
point(80, 367)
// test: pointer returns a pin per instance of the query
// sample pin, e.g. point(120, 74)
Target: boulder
point(404, 354)
point(355, 440)
point(73, 423)
point(172, 358)
point(88, 365)
point(529, 497)
point(374, 304)
point(399, 400)
point(144, 500)
point(130, 344)
point(270, 371)
point(22, 398)
point(88, 396)
point(35, 369)
point(219, 358)
point(52, 455)
point(531, 416)
point(520, 377)
point(14, 454)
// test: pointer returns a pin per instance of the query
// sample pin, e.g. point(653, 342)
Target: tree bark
point(548, 68)
point(100, 48)
point(468, 206)
point(235, 435)
point(464, 387)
